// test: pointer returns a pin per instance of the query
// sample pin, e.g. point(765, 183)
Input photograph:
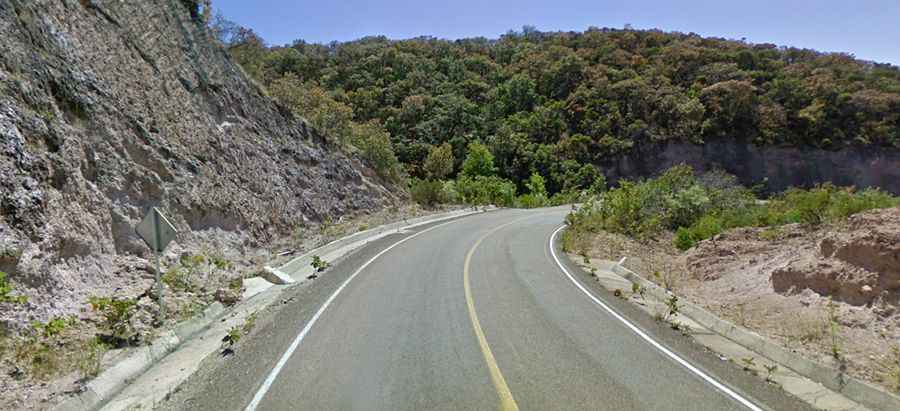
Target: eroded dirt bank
point(831, 293)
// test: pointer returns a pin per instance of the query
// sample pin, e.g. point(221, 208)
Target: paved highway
point(472, 314)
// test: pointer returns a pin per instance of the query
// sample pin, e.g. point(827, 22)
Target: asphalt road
point(474, 314)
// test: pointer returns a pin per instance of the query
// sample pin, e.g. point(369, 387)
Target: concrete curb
point(112, 380)
point(106, 386)
point(854, 389)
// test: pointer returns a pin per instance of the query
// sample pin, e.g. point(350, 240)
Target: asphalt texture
point(400, 336)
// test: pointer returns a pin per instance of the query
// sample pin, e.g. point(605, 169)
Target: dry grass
point(889, 372)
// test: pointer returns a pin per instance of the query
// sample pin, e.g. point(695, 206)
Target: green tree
point(374, 143)
point(536, 185)
point(479, 161)
point(439, 163)
point(330, 117)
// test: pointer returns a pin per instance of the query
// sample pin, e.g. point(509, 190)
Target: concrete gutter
point(189, 343)
point(860, 391)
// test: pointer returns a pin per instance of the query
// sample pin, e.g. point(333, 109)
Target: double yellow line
point(507, 402)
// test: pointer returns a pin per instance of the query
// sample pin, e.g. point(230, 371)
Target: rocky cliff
point(775, 168)
point(108, 108)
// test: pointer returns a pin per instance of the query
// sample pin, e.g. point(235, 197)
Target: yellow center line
point(507, 402)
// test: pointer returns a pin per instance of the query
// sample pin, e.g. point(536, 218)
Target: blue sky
point(869, 29)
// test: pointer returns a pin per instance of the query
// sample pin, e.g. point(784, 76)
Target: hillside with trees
point(553, 103)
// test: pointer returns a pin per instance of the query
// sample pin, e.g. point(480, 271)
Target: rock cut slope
point(110, 107)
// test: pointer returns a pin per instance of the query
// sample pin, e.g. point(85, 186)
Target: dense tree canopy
point(553, 103)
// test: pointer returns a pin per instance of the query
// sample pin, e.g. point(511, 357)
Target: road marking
point(507, 402)
point(293, 347)
point(712, 381)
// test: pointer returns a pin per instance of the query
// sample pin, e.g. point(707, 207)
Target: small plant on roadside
point(234, 335)
point(319, 264)
point(249, 323)
point(237, 332)
point(182, 277)
point(55, 326)
point(672, 305)
point(89, 357)
point(236, 284)
point(5, 290)
point(742, 314)
point(683, 239)
point(636, 289)
point(584, 257)
point(675, 325)
point(770, 234)
point(221, 263)
point(593, 271)
point(43, 359)
point(749, 364)
point(770, 370)
point(618, 293)
point(834, 330)
point(889, 369)
point(117, 315)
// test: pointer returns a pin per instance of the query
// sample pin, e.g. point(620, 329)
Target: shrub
point(374, 143)
point(566, 197)
point(89, 356)
point(427, 192)
point(439, 163)
point(319, 264)
point(178, 279)
point(55, 326)
point(700, 207)
point(117, 314)
point(450, 193)
point(826, 203)
point(811, 205)
point(6, 288)
point(683, 239)
point(531, 201)
point(486, 190)
point(479, 161)
point(537, 196)
point(707, 227)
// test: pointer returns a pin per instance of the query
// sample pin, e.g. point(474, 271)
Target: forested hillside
point(553, 102)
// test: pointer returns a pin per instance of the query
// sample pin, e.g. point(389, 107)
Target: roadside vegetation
point(698, 207)
point(479, 183)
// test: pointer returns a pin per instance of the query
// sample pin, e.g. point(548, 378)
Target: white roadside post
point(156, 230)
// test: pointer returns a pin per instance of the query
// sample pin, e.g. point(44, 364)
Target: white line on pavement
point(737, 397)
point(290, 351)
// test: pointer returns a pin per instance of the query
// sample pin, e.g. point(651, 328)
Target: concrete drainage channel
point(185, 347)
point(821, 386)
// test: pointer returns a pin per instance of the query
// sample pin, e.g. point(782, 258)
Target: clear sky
point(869, 29)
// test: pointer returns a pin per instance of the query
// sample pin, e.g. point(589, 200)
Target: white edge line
point(290, 351)
point(712, 381)
point(378, 231)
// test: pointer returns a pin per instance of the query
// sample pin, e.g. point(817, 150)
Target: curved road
point(473, 314)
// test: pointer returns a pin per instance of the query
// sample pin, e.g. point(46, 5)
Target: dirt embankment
point(834, 289)
point(818, 291)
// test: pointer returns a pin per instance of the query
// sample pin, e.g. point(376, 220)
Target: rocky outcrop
point(775, 168)
point(108, 108)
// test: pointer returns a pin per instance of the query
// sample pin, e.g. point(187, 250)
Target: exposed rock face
point(110, 107)
point(777, 167)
